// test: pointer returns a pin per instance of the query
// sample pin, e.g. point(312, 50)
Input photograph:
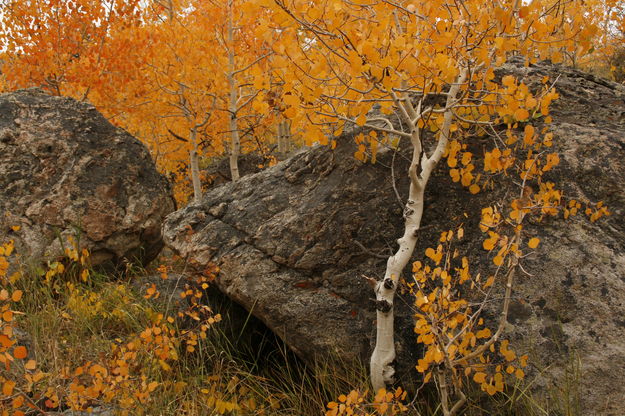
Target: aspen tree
point(420, 73)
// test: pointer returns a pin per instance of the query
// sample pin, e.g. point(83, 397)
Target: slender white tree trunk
point(195, 167)
point(284, 137)
point(421, 167)
point(384, 353)
point(235, 140)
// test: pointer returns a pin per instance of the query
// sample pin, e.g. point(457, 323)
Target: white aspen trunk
point(235, 140)
point(288, 139)
point(419, 172)
point(281, 139)
point(384, 353)
point(235, 150)
point(284, 136)
point(195, 167)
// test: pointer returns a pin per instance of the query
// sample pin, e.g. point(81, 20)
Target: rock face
point(294, 241)
point(66, 171)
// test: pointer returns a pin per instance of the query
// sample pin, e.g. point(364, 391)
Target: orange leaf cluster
point(355, 403)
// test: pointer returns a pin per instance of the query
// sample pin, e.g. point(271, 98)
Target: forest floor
point(142, 342)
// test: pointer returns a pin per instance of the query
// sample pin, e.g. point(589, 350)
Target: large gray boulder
point(66, 171)
point(294, 241)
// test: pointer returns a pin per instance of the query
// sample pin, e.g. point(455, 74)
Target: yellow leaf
point(427, 377)
point(291, 99)
point(361, 120)
point(430, 252)
point(484, 333)
point(474, 189)
point(533, 243)
point(479, 377)
point(489, 282)
point(490, 242)
point(466, 158)
point(523, 360)
point(290, 112)
point(529, 134)
point(521, 114)
point(508, 80)
point(164, 365)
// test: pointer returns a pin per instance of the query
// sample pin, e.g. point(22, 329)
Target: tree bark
point(421, 168)
point(284, 134)
point(195, 167)
point(383, 355)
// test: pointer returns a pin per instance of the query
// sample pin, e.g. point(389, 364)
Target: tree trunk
point(384, 352)
point(195, 167)
point(284, 136)
point(421, 168)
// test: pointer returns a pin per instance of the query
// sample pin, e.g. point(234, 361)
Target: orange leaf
point(17, 402)
point(7, 387)
point(533, 243)
point(17, 295)
point(20, 352)
point(5, 341)
point(7, 316)
point(521, 114)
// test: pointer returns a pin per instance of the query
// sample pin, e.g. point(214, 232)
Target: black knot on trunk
point(383, 306)
point(388, 283)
